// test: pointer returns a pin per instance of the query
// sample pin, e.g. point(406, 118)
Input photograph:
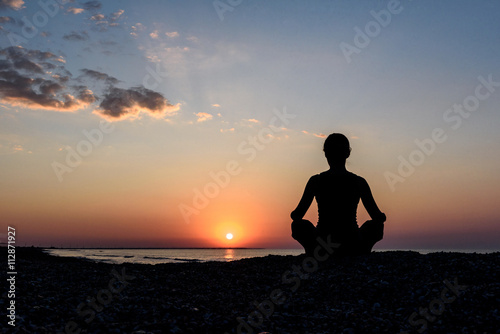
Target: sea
point(171, 255)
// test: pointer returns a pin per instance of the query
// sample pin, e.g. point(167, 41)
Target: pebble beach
point(384, 292)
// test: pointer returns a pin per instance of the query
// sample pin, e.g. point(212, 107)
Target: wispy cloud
point(154, 34)
point(136, 28)
point(116, 15)
point(11, 4)
point(75, 36)
point(74, 10)
point(103, 22)
point(95, 75)
point(6, 19)
point(203, 116)
point(97, 17)
point(319, 135)
point(92, 5)
point(172, 34)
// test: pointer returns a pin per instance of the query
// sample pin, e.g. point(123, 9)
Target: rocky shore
point(385, 292)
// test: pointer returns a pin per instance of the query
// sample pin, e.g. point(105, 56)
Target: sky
point(173, 123)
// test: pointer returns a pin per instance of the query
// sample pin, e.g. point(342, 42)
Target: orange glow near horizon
point(222, 230)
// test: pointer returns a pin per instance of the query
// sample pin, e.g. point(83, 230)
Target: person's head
point(336, 148)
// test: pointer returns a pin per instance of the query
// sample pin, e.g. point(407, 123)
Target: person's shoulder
point(351, 174)
point(318, 178)
point(315, 177)
point(358, 178)
point(313, 182)
point(321, 174)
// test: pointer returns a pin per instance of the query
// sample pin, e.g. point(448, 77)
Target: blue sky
point(221, 81)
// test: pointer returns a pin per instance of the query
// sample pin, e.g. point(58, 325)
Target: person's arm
point(369, 203)
point(305, 201)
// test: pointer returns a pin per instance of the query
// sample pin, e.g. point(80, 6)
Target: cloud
point(18, 148)
point(39, 80)
point(121, 104)
point(49, 87)
point(35, 80)
point(27, 65)
point(154, 34)
point(92, 5)
point(19, 90)
point(11, 4)
point(319, 135)
point(95, 75)
point(103, 22)
point(216, 105)
point(74, 10)
point(137, 28)
point(31, 61)
point(6, 19)
point(116, 15)
point(97, 17)
point(203, 116)
point(172, 34)
point(248, 123)
point(75, 36)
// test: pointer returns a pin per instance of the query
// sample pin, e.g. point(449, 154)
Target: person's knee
point(299, 227)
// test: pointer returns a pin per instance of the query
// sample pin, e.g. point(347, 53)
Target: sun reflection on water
point(229, 254)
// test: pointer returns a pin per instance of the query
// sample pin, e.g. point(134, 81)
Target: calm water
point(156, 256)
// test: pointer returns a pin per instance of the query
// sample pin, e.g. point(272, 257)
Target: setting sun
point(229, 236)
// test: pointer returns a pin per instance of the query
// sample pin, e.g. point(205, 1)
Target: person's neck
point(338, 168)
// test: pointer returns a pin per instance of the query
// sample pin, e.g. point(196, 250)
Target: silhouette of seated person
point(337, 193)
